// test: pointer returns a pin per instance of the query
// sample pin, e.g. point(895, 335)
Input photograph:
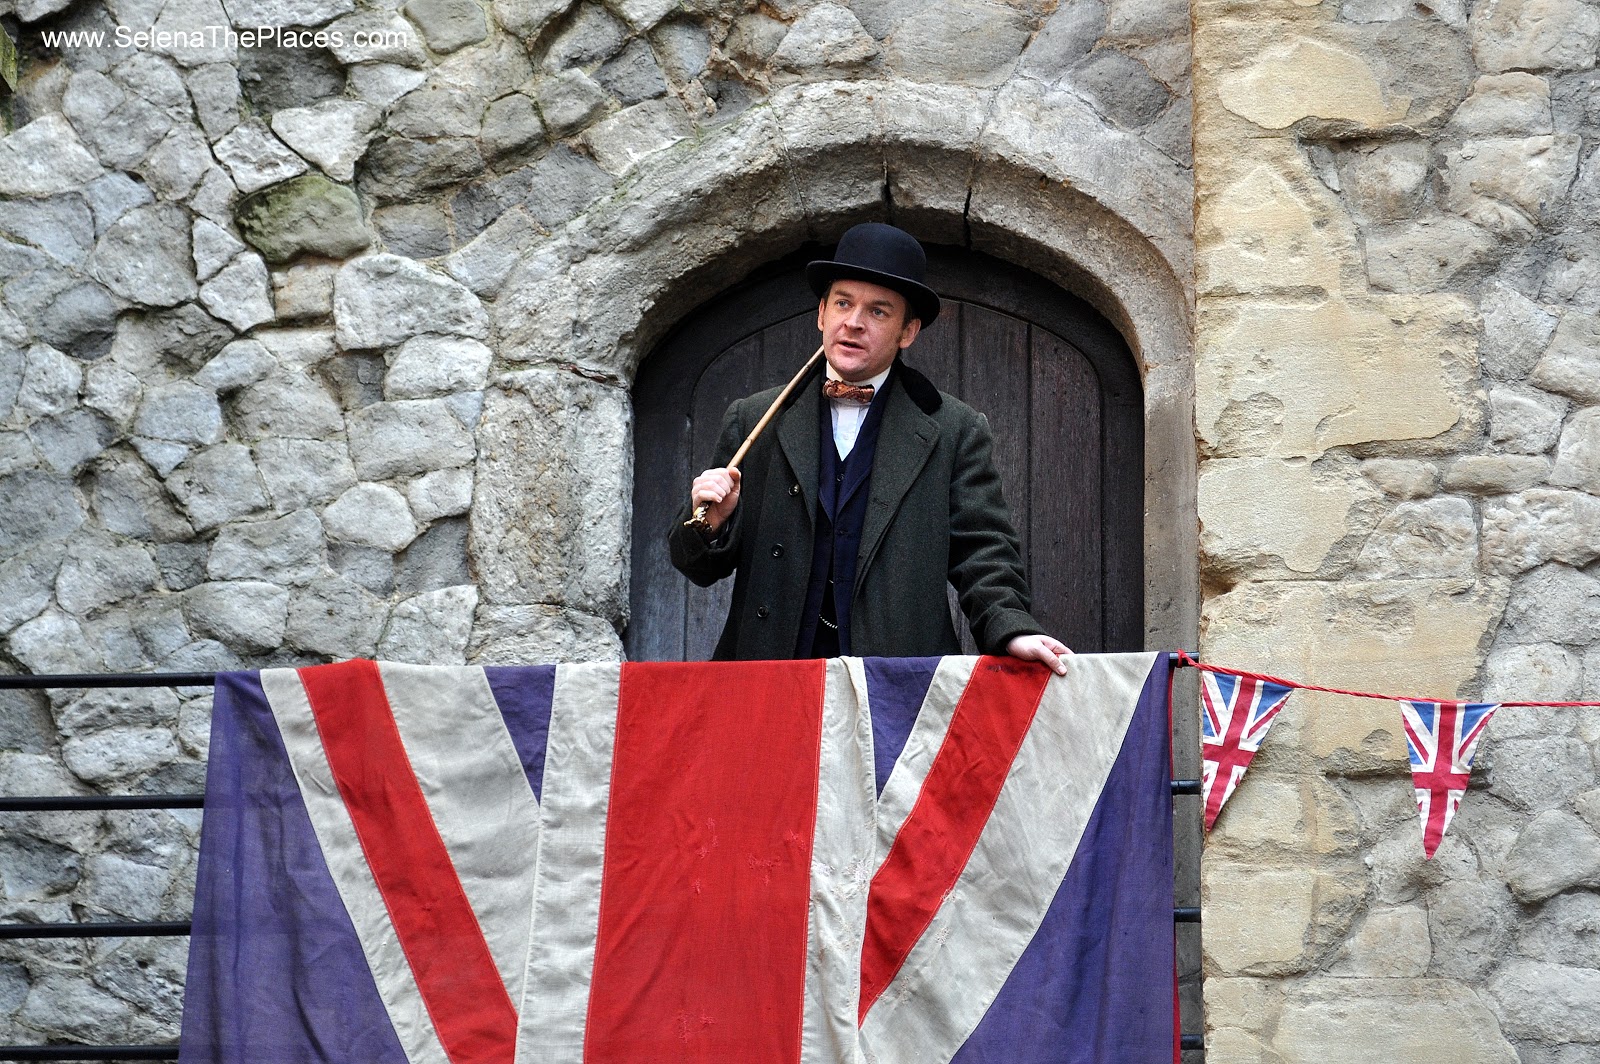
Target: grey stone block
point(300, 473)
point(145, 257)
point(683, 48)
point(536, 635)
point(356, 380)
point(118, 753)
point(112, 196)
point(384, 300)
point(1578, 456)
point(1525, 422)
point(416, 230)
point(1539, 773)
point(35, 869)
point(396, 168)
point(67, 441)
point(183, 412)
point(632, 74)
point(60, 226)
point(241, 363)
point(130, 501)
point(432, 628)
point(176, 165)
point(449, 24)
point(591, 35)
point(1539, 525)
point(1535, 671)
point(826, 36)
point(219, 484)
point(27, 582)
point(428, 366)
point(444, 493)
point(97, 570)
point(1570, 366)
point(246, 615)
point(255, 158)
point(214, 247)
point(1565, 931)
point(964, 41)
point(408, 437)
point(286, 404)
point(1554, 852)
point(239, 294)
point(371, 567)
point(186, 336)
point(215, 91)
point(510, 125)
point(436, 559)
point(304, 291)
point(274, 78)
point(332, 134)
point(485, 263)
point(1547, 1002)
point(433, 111)
point(1426, 254)
point(569, 100)
point(337, 618)
point(77, 316)
point(40, 508)
point(371, 515)
point(286, 550)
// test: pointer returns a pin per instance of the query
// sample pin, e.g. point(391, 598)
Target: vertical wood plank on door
point(1064, 506)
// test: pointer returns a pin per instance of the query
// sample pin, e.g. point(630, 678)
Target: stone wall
point(320, 346)
point(1396, 256)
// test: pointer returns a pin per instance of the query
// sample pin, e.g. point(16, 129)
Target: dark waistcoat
point(842, 493)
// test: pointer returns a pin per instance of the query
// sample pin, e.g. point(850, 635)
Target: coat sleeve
point(701, 560)
point(985, 555)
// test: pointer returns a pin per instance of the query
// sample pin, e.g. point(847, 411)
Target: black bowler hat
point(882, 255)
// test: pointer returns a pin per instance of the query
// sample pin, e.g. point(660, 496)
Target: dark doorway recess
point(1058, 384)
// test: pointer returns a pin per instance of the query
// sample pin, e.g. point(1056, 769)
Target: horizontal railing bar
point(1193, 1041)
point(156, 1052)
point(1185, 786)
point(1186, 914)
point(81, 802)
point(96, 929)
point(45, 681)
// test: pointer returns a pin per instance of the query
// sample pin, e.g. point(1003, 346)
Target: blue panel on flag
point(895, 688)
point(276, 972)
point(1092, 985)
point(524, 695)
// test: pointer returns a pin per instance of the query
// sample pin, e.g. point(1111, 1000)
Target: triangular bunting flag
point(1236, 712)
point(1442, 736)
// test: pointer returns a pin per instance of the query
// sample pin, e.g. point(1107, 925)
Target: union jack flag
point(1236, 713)
point(1441, 777)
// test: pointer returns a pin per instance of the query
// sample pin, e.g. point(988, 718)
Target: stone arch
point(1026, 173)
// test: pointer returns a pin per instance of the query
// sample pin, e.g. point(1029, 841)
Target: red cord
point(1185, 659)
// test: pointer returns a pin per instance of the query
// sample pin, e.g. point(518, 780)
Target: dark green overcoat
point(935, 513)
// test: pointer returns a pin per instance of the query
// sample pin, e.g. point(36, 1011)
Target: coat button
point(794, 489)
point(762, 611)
point(777, 550)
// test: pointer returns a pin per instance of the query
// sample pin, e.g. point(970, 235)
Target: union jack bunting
point(1441, 774)
point(1236, 712)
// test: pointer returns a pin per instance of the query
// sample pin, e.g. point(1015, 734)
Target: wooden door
point(1057, 382)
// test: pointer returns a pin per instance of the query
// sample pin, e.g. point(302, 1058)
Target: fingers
point(1042, 648)
point(718, 490)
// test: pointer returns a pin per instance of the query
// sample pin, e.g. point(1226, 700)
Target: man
point(867, 493)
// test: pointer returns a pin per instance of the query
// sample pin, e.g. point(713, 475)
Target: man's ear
point(822, 305)
point(908, 332)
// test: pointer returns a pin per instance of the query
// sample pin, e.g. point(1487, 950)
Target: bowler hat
point(882, 255)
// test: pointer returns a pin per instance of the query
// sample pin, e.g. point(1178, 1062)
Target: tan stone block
point(1416, 637)
point(1310, 512)
point(1418, 1021)
point(1382, 368)
point(1233, 1046)
point(1244, 1004)
point(1390, 943)
point(1257, 919)
point(1307, 78)
point(1296, 815)
point(1272, 229)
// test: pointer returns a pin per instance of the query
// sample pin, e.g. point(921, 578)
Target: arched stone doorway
point(1061, 389)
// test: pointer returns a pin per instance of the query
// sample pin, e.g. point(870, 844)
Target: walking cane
point(698, 521)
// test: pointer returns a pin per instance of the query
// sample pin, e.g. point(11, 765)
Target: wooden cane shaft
point(699, 518)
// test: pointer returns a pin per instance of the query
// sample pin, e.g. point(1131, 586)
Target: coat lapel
point(905, 441)
point(797, 438)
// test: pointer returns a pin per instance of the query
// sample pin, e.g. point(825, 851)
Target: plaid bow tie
point(860, 394)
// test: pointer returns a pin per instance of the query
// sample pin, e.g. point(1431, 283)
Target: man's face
point(864, 326)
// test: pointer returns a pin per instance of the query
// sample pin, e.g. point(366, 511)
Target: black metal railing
point(1181, 915)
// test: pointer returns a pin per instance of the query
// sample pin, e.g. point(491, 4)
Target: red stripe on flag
point(957, 796)
point(435, 924)
point(701, 950)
